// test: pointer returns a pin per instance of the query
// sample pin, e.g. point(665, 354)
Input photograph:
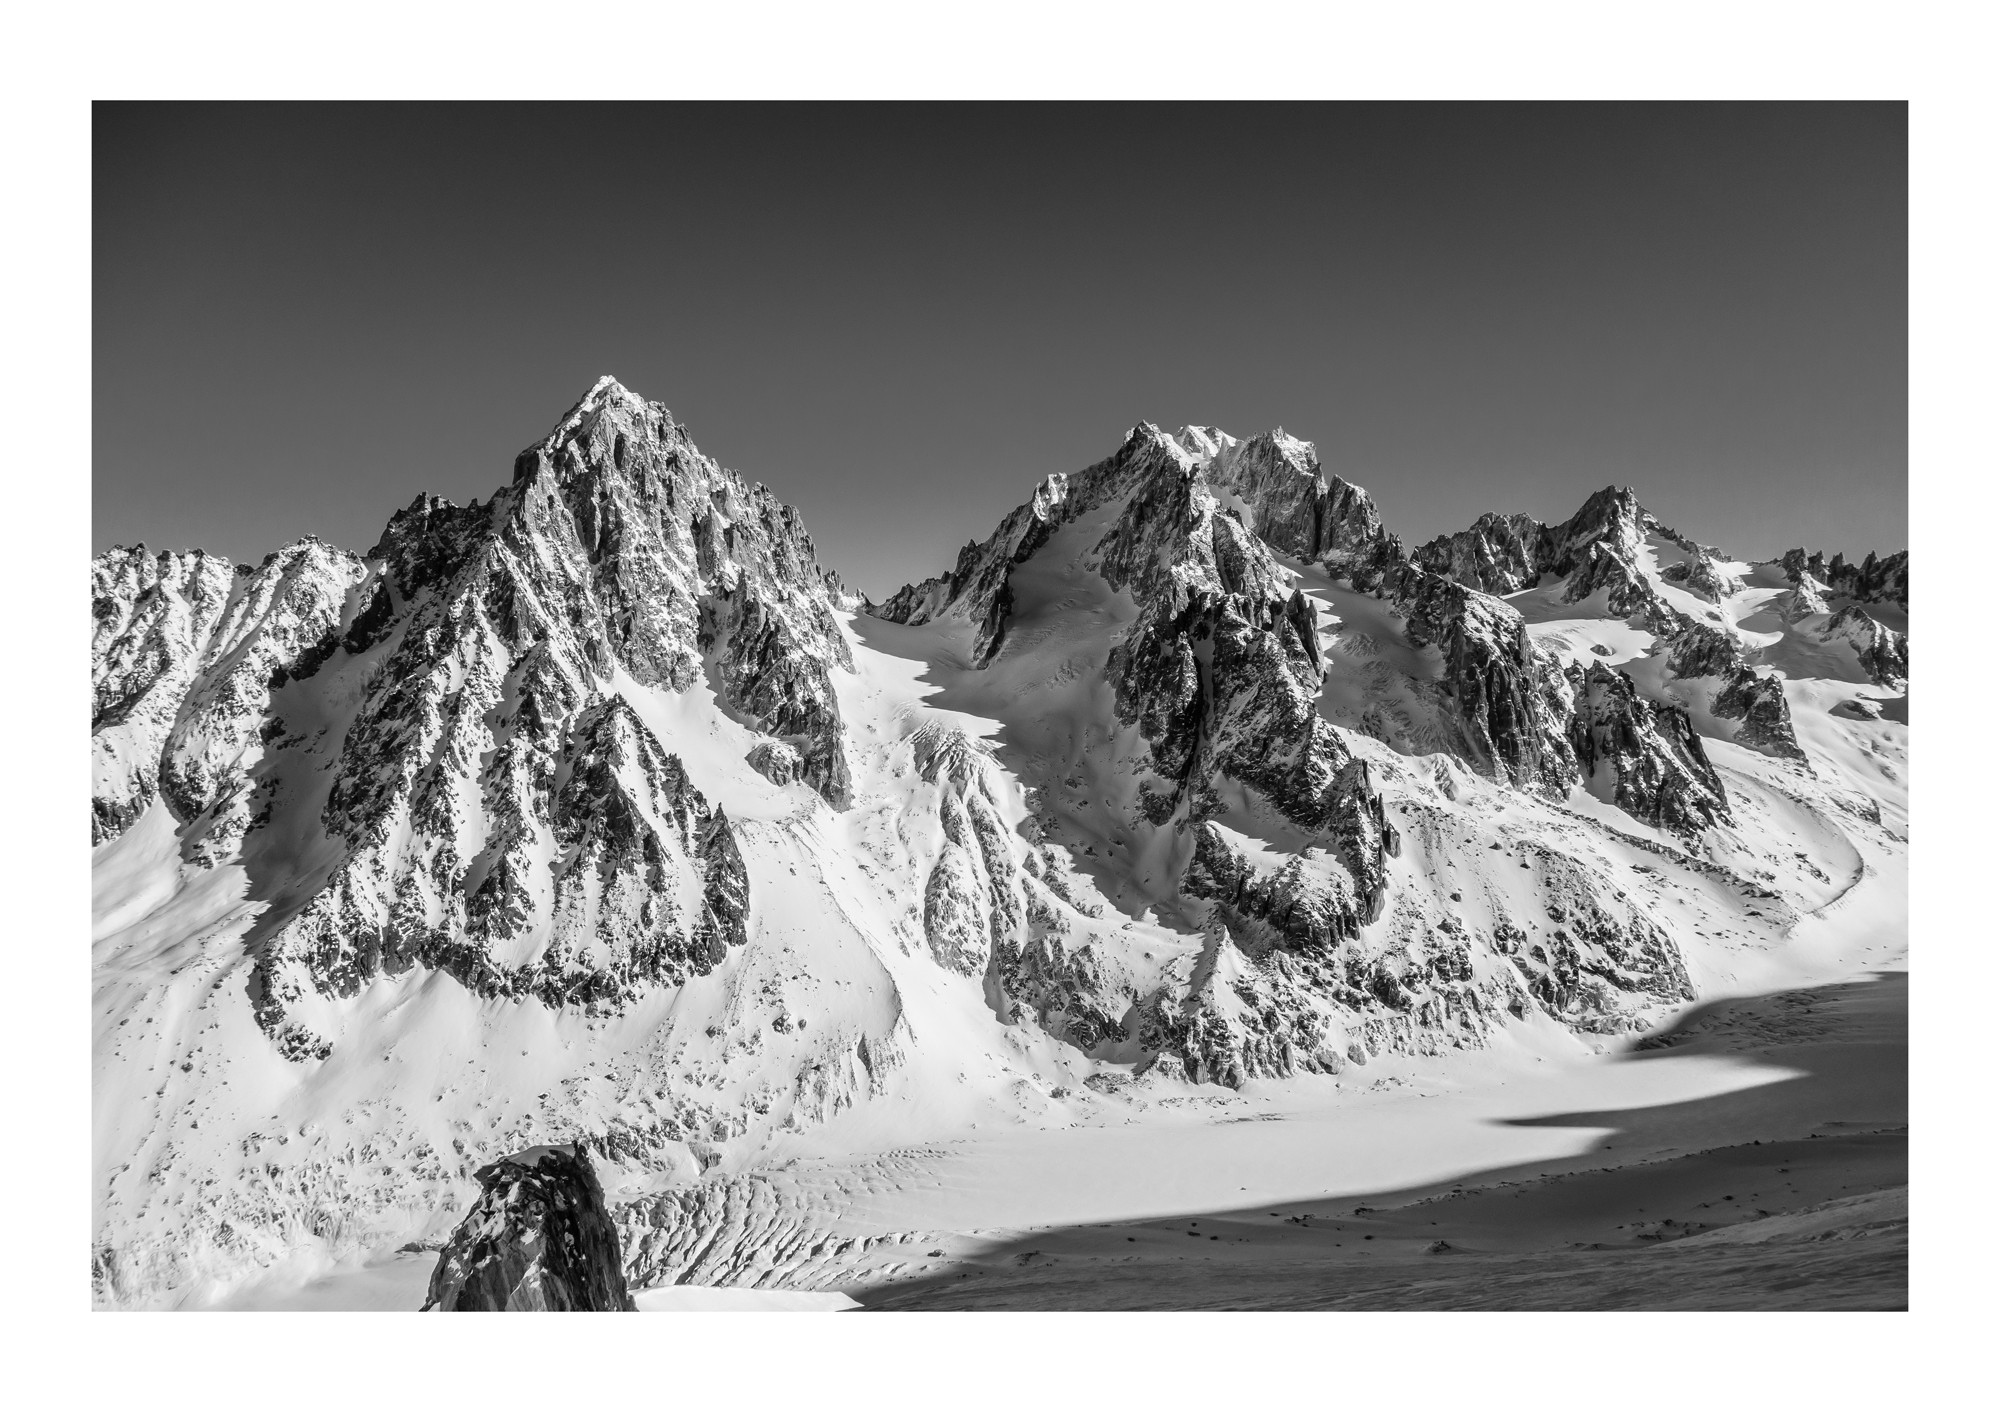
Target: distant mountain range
point(600, 810)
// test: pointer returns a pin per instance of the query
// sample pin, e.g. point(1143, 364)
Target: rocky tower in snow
point(538, 1240)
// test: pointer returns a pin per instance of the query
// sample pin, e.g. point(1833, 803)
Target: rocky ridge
point(1873, 580)
point(1221, 673)
point(1609, 554)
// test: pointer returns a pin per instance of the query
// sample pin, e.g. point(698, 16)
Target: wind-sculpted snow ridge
point(595, 813)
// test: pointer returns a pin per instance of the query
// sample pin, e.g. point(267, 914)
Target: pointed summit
point(607, 400)
point(607, 391)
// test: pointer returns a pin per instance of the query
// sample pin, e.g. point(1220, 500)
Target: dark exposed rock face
point(1654, 761)
point(1240, 1021)
point(537, 1239)
point(686, 558)
point(1596, 549)
point(1238, 702)
point(1882, 652)
point(1701, 651)
point(1498, 554)
point(1222, 675)
point(1758, 701)
point(1525, 720)
point(1873, 580)
point(1699, 576)
point(1755, 698)
point(1512, 703)
point(1296, 506)
point(780, 682)
point(1301, 904)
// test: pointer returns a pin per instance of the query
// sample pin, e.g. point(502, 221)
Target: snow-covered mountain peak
point(591, 811)
point(1203, 442)
point(606, 392)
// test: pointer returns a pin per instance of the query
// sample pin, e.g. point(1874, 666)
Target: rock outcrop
point(1510, 703)
point(1758, 700)
point(1647, 758)
point(1873, 580)
point(1882, 652)
point(1602, 954)
point(1222, 673)
point(1294, 504)
point(1595, 549)
point(538, 1239)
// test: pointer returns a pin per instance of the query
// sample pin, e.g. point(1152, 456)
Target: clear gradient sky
point(900, 317)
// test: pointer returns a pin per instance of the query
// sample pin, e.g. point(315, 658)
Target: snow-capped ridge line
point(596, 811)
